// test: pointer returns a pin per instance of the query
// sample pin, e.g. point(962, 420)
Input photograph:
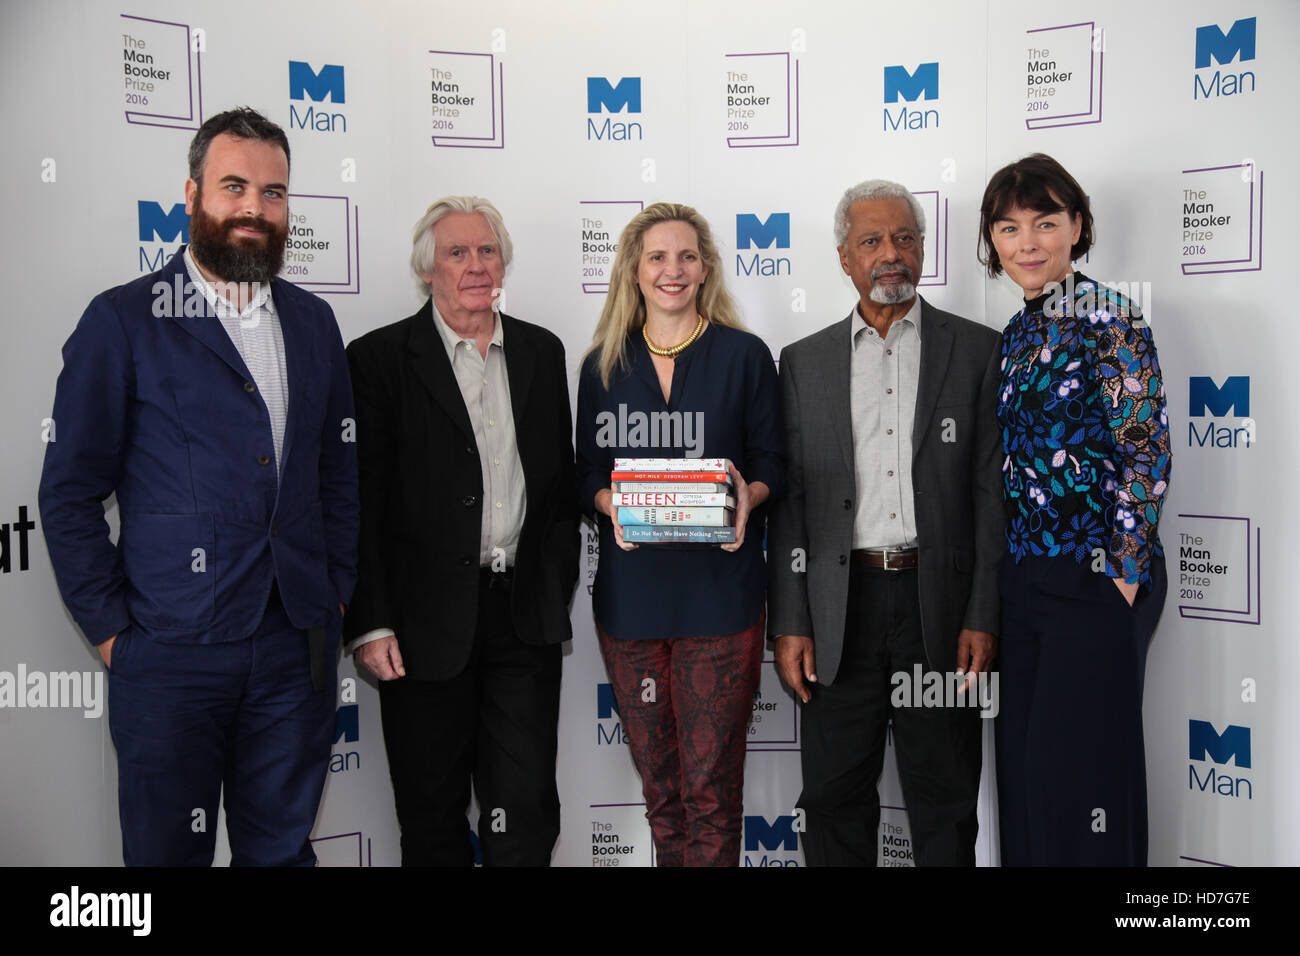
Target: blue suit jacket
point(159, 408)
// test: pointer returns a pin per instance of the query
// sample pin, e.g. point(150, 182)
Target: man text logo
point(156, 225)
point(306, 83)
point(781, 836)
point(624, 96)
point(607, 709)
point(1225, 47)
point(1233, 744)
point(1212, 44)
point(606, 705)
point(347, 727)
point(162, 226)
point(924, 80)
point(898, 82)
point(755, 233)
point(1233, 397)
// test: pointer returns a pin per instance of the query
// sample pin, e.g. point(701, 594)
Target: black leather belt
point(496, 580)
point(887, 559)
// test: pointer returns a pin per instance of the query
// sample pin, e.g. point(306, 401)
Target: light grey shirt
point(486, 391)
point(883, 375)
point(259, 340)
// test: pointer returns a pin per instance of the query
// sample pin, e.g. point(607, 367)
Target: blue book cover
point(677, 534)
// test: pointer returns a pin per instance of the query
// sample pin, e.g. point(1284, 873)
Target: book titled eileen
point(671, 534)
point(693, 517)
point(671, 499)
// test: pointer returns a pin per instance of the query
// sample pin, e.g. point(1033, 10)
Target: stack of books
point(674, 500)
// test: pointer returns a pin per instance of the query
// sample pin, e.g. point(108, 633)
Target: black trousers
point(493, 724)
point(843, 747)
point(1072, 785)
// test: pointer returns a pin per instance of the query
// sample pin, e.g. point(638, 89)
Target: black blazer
point(956, 480)
point(422, 491)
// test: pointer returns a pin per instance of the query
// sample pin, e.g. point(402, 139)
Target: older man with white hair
point(883, 555)
point(469, 548)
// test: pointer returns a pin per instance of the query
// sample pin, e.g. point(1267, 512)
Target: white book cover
point(672, 499)
point(699, 517)
point(672, 464)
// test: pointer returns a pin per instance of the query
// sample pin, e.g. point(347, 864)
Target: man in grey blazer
point(884, 554)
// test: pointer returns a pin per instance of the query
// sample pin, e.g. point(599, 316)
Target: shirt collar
point(912, 316)
point(451, 340)
point(221, 307)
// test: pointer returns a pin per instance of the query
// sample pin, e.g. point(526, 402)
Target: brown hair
point(1037, 183)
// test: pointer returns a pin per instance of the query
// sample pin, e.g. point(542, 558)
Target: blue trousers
point(1071, 762)
point(191, 720)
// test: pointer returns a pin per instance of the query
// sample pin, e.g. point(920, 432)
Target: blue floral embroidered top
point(1085, 430)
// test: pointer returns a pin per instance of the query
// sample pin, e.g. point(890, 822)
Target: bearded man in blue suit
point(214, 400)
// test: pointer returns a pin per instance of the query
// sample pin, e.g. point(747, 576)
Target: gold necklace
point(676, 349)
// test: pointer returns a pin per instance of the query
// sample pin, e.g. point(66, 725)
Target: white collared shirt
point(883, 378)
point(485, 389)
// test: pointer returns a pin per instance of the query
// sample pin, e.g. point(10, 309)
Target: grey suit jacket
point(956, 478)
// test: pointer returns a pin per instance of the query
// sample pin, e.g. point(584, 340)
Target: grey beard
point(892, 294)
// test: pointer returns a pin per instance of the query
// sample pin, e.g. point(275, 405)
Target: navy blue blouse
point(663, 591)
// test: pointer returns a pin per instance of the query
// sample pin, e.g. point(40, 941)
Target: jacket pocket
point(171, 569)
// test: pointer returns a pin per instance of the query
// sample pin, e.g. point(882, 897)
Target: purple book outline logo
point(496, 85)
point(936, 213)
point(1251, 613)
point(592, 208)
point(1248, 173)
point(649, 840)
point(351, 283)
point(759, 744)
point(776, 137)
point(192, 119)
point(365, 856)
point(1093, 39)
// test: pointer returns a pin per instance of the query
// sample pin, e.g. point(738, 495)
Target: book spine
point(671, 464)
point(697, 517)
point(669, 534)
point(671, 499)
point(670, 487)
point(721, 476)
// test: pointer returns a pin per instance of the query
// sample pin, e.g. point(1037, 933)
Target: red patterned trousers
point(685, 705)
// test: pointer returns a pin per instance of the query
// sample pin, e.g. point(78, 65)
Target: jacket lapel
point(432, 367)
point(837, 361)
point(936, 349)
point(205, 327)
point(521, 363)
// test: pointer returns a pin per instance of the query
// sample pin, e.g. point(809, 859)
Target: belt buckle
point(884, 557)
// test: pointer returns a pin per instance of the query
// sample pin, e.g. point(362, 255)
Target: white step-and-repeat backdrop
point(1177, 118)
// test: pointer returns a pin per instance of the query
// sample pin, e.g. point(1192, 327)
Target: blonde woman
point(681, 629)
